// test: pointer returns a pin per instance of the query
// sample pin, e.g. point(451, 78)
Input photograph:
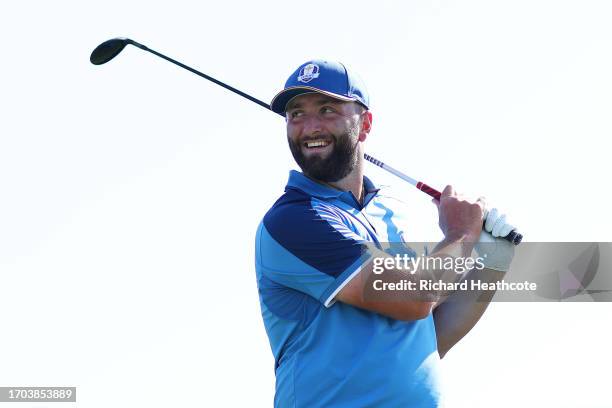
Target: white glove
point(496, 224)
point(497, 253)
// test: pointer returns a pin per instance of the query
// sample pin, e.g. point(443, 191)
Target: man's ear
point(366, 125)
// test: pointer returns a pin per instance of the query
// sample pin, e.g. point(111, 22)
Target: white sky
point(130, 193)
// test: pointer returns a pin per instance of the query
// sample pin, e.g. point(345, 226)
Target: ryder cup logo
point(308, 72)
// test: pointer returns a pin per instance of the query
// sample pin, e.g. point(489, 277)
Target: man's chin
point(323, 170)
point(328, 164)
point(315, 165)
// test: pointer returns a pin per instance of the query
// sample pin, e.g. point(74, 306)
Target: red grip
point(514, 236)
point(428, 190)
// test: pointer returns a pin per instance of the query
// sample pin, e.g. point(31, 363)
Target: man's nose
point(312, 125)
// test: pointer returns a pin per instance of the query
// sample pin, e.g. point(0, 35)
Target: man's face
point(323, 135)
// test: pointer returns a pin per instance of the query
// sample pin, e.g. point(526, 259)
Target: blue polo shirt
point(330, 354)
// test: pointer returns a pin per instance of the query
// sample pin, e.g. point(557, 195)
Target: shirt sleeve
point(310, 248)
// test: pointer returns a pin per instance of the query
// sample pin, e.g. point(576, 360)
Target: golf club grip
point(514, 236)
point(429, 190)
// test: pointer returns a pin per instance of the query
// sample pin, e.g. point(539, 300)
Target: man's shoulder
point(292, 202)
point(296, 207)
point(298, 216)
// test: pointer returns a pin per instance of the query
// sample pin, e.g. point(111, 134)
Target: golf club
point(111, 48)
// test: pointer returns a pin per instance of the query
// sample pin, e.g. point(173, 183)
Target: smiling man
point(333, 345)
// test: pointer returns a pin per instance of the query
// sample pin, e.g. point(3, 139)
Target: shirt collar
point(299, 181)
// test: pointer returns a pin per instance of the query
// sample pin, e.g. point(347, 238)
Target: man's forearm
point(460, 311)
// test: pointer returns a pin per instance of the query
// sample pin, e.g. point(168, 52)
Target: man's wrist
point(458, 245)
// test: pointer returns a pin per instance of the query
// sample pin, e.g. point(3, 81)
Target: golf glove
point(496, 252)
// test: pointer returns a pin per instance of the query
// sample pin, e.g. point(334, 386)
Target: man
point(333, 345)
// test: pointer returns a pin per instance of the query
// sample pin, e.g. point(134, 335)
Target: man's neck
point(353, 182)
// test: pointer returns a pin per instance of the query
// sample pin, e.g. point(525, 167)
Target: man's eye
point(327, 109)
point(295, 114)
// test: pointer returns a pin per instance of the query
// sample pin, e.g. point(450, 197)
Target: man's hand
point(496, 252)
point(460, 219)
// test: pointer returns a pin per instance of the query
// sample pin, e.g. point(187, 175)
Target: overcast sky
point(130, 192)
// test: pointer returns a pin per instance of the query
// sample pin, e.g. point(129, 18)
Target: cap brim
point(280, 101)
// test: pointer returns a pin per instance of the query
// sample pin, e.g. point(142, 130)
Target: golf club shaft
point(418, 184)
point(513, 236)
point(203, 75)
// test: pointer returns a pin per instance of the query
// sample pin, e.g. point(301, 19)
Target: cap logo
point(308, 73)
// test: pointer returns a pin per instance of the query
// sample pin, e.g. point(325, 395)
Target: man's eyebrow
point(328, 100)
point(292, 105)
point(321, 101)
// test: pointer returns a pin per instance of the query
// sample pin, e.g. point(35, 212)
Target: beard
point(341, 161)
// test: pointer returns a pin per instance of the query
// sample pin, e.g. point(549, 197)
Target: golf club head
point(108, 50)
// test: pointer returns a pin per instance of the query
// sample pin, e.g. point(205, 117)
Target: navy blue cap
point(327, 77)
